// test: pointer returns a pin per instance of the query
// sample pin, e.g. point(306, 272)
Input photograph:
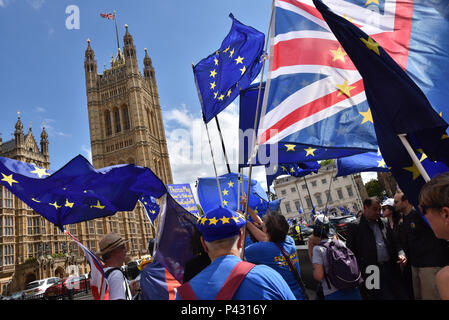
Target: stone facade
point(346, 191)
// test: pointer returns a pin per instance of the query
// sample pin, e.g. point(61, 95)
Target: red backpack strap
point(186, 292)
point(234, 280)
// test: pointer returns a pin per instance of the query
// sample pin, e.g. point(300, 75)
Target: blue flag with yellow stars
point(210, 199)
point(397, 105)
point(274, 154)
point(295, 170)
point(233, 67)
point(363, 162)
point(151, 207)
point(78, 192)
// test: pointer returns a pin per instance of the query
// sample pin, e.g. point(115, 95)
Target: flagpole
point(253, 145)
point(329, 190)
point(308, 191)
point(222, 144)
point(412, 154)
point(116, 30)
point(215, 167)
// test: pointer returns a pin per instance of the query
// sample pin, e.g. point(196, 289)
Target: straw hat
point(110, 242)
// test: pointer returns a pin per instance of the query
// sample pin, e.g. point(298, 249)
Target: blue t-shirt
point(261, 283)
point(267, 253)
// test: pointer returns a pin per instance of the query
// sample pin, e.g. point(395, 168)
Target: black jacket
point(362, 242)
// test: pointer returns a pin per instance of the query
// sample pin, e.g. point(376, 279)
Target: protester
point(113, 253)
point(296, 231)
point(427, 253)
point(371, 240)
point(321, 263)
point(156, 282)
point(276, 249)
point(434, 204)
point(200, 260)
point(397, 225)
point(222, 238)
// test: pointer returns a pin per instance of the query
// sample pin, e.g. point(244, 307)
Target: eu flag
point(210, 199)
point(363, 162)
point(78, 192)
point(397, 105)
point(294, 170)
point(233, 67)
point(151, 207)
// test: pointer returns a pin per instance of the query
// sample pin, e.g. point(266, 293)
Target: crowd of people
point(391, 252)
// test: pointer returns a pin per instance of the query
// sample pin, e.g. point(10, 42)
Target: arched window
point(126, 117)
point(118, 127)
point(107, 119)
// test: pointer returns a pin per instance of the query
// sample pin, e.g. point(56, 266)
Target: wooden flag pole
point(412, 154)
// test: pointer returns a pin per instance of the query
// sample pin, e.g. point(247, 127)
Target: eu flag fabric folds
point(364, 162)
point(397, 104)
point(233, 67)
point(294, 170)
point(210, 199)
point(78, 192)
point(157, 283)
point(174, 239)
point(286, 153)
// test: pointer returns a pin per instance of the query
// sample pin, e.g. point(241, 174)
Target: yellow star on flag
point(215, 95)
point(225, 203)
point(239, 60)
point(213, 85)
point(290, 147)
point(243, 70)
point(381, 164)
point(213, 73)
point(230, 184)
point(231, 53)
point(98, 205)
point(413, 169)
point(235, 219)
point(225, 192)
point(345, 88)
point(423, 155)
point(224, 220)
point(227, 49)
point(371, 1)
point(372, 45)
point(310, 151)
point(213, 221)
point(68, 204)
point(55, 204)
point(203, 220)
point(229, 93)
point(292, 170)
point(40, 172)
point(216, 61)
point(8, 179)
point(339, 54)
point(221, 97)
point(367, 116)
point(35, 200)
point(284, 168)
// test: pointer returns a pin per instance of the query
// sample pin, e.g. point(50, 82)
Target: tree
point(375, 189)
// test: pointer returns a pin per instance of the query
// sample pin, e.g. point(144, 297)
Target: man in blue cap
point(228, 277)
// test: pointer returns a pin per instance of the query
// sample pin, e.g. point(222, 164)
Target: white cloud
point(36, 4)
point(39, 109)
point(87, 152)
point(367, 176)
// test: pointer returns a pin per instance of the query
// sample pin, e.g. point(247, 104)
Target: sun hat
point(110, 242)
point(388, 202)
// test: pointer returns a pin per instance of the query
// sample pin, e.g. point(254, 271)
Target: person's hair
point(223, 244)
point(195, 242)
point(435, 193)
point(396, 215)
point(369, 201)
point(106, 256)
point(277, 226)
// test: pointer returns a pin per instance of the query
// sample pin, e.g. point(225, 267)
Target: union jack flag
point(109, 16)
point(98, 283)
point(314, 93)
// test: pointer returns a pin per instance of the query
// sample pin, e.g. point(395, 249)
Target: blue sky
point(42, 71)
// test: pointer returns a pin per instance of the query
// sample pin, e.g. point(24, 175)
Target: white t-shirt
point(320, 257)
point(118, 285)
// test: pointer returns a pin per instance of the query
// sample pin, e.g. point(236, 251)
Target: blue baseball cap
point(220, 223)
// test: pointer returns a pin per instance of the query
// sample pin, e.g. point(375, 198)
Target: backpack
point(127, 292)
point(343, 270)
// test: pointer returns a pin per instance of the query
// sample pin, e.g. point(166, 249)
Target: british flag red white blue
point(98, 283)
point(109, 16)
point(315, 95)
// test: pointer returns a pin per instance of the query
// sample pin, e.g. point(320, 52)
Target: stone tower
point(125, 118)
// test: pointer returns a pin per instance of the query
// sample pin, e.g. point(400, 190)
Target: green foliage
point(327, 162)
point(374, 189)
